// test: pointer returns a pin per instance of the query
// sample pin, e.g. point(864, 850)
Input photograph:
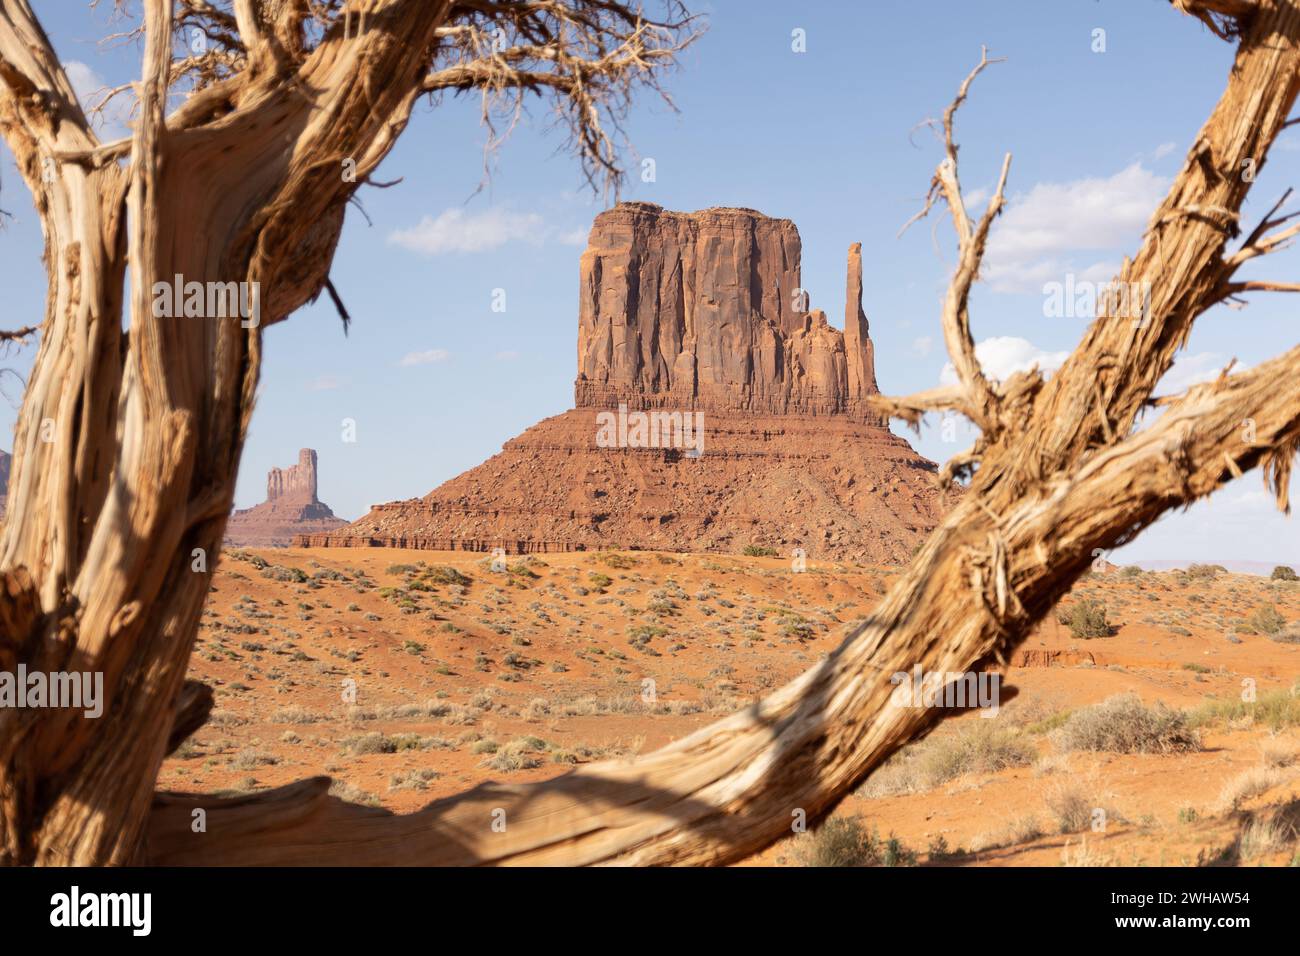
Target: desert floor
point(412, 675)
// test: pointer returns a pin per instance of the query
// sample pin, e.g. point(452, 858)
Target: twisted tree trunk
point(128, 446)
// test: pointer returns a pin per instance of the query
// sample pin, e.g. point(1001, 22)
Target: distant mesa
point(686, 319)
point(291, 508)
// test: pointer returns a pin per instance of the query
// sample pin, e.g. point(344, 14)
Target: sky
point(436, 380)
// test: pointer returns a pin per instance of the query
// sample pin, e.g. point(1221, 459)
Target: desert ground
point(412, 675)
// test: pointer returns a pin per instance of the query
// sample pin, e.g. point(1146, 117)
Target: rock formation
point(704, 310)
point(291, 508)
point(690, 319)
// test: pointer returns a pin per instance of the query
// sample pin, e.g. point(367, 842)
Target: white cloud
point(424, 358)
point(1003, 355)
point(1189, 370)
point(921, 346)
point(112, 121)
point(507, 356)
point(1040, 232)
point(455, 230)
point(1164, 149)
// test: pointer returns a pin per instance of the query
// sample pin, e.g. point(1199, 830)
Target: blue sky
point(436, 380)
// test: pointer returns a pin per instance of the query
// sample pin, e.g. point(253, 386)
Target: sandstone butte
point(291, 507)
point(696, 316)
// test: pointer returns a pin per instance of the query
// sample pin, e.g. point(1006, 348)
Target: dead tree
point(1060, 469)
point(128, 443)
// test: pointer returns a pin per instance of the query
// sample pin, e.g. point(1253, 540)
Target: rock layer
point(835, 487)
point(291, 508)
point(692, 319)
point(705, 310)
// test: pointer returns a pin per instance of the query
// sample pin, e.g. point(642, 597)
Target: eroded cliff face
point(291, 508)
point(696, 313)
point(705, 310)
point(297, 483)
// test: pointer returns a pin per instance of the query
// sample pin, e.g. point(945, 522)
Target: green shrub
point(759, 551)
point(1275, 709)
point(1267, 620)
point(1086, 619)
point(1283, 573)
point(444, 574)
point(845, 841)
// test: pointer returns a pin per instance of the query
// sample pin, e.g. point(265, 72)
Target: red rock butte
point(291, 507)
point(692, 321)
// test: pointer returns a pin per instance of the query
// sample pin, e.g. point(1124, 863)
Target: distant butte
point(291, 508)
point(688, 318)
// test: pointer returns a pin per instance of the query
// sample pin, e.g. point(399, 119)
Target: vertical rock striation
point(705, 310)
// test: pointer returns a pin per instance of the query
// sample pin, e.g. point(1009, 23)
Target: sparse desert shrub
point(517, 755)
point(1071, 805)
point(613, 559)
point(1287, 635)
point(759, 551)
point(1123, 724)
point(796, 626)
point(352, 794)
point(1283, 573)
point(250, 758)
point(1205, 572)
point(377, 743)
point(278, 572)
point(1267, 620)
point(979, 748)
point(1130, 571)
point(1248, 784)
point(1086, 619)
point(445, 574)
point(1261, 837)
point(294, 715)
point(412, 779)
point(845, 841)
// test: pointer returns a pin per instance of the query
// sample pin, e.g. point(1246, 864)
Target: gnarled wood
point(1060, 473)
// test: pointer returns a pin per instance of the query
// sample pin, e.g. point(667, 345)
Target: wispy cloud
point(509, 355)
point(112, 121)
point(1003, 355)
point(427, 357)
point(455, 230)
point(1194, 369)
point(1041, 234)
